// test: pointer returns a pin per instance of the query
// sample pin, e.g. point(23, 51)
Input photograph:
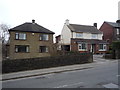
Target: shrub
point(116, 45)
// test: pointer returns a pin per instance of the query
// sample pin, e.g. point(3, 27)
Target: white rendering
point(67, 34)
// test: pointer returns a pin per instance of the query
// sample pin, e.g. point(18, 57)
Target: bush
point(116, 45)
point(116, 49)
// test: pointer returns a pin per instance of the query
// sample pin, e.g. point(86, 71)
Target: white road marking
point(117, 75)
point(110, 85)
point(62, 86)
point(32, 77)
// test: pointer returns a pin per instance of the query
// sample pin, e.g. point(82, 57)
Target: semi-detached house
point(111, 31)
point(30, 40)
point(82, 38)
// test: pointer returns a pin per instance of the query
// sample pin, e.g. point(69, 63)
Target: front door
point(93, 48)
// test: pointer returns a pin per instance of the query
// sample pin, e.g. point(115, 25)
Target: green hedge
point(45, 62)
point(116, 49)
point(116, 45)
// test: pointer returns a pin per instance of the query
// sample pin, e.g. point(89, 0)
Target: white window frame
point(79, 35)
point(81, 49)
point(20, 36)
point(104, 48)
point(94, 36)
point(17, 47)
point(118, 31)
point(44, 37)
point(46, 49)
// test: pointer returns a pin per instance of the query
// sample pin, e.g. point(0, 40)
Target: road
point(95, 77)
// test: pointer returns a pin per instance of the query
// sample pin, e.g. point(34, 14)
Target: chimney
point(33, 21)
point(67, 22)
point(118, 21)
point(95, 25)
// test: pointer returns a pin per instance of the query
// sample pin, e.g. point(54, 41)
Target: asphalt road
point(96, 77)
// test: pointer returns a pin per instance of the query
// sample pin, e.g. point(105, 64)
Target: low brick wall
point(46, 62)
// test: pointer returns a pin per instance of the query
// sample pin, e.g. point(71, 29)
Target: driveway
point(99, 59)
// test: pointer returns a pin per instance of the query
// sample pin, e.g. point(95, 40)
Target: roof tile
point(31, 27)
point(83, 28)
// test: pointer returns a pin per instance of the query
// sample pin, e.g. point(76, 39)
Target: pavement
point(23, 74)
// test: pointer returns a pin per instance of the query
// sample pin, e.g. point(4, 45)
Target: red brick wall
point(74, 46)
point(107, 32)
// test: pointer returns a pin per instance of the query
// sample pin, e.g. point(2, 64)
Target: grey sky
point(53, 13)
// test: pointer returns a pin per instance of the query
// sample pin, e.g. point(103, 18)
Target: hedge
point(116, 45)
point(45, 62)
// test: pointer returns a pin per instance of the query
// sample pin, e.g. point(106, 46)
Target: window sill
point(82, 50)
point(44, 40)
point(102, 50)
point(43, 52)
point(21, 39)
point(22, 52)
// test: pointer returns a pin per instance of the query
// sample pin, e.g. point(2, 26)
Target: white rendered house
point(81, 33)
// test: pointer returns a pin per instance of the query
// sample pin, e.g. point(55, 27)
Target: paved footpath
point(23, 74)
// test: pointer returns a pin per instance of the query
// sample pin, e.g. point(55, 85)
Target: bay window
point(102, 47)
point(82, 47)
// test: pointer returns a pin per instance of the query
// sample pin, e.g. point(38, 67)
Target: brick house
point(111, 31)
point(30, 40)
point(58, 39)
point(82, 38)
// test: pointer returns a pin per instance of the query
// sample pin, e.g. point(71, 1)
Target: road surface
point(95, 77)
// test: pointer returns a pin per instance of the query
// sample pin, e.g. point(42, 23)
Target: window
point(20, 36)
point(79, 35)
point(21, 48)
point(43, 49)
point(44, 37)
point(117, 31)
point(94, 36)
point(82, 47)
point(102, 47)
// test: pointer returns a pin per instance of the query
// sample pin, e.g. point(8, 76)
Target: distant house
point(58, 40)
point(30, 40)
point(82, 38)
point(111, 31)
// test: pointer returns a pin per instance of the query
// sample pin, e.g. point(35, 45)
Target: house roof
point(31, 27)
point(83, 28)
point(114, 24)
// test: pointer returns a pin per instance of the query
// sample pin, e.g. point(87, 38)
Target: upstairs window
point(22, 48)
point(20, 36)
point(94, 36)
point(43, 49)
point(102, 47)
point(44, 37)
point(79, 35)
point(82, 47)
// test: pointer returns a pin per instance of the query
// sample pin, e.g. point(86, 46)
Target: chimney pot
point(118, 21)
point(95, 25)
point(33, 21)
point(67, 22)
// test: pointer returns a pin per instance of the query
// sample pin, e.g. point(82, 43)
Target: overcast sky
point(52, 13)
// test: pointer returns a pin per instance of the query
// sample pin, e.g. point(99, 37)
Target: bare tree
point(4, 34)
